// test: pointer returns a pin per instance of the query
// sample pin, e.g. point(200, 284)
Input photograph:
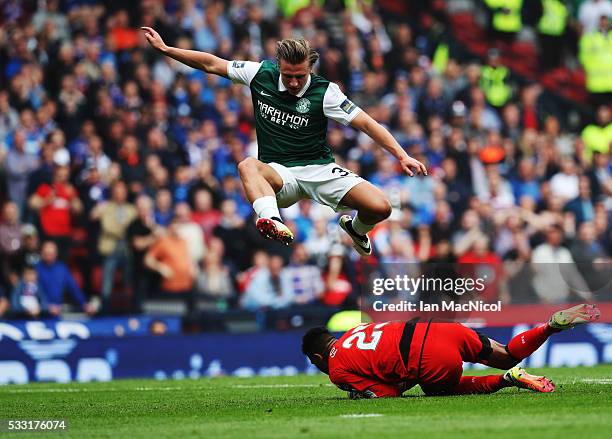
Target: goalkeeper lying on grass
point(386, 359)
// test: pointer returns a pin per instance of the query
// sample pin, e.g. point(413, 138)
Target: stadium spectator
point(495, 80)
point(231, 230)
point(499, 193)
point(550, 258)
point(433, 102)
point(505, 19)
point(564, 184)
point(590, 258)
point(130, 160)
point(28, 298)
point(9, 118)
point(55, 280)
point(44, 172)
point(4, 303)
point(19, 165)
point(214, 280)
point(55, 204)
point(597, 137)
point(95, 158)
point(114, 216)
point(480, 259)
point(552, 28)
point(204, 214)
point(29, 253)
point(441, 227)
point(458, 190)
point(300, 279)
point(525, 183)
point(319, 240)
point(10, 237)
point(191, 233)
point(594, 53)
point(582, 206)
point(591, 11)
point(337, 278)
point(170, 257)
point(468, 234)
point(261, 260)
point(163, 207)
point(265, 290)
point(142, 233)
point(600, 177)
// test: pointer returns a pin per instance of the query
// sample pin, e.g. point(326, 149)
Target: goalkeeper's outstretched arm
point(193, 58)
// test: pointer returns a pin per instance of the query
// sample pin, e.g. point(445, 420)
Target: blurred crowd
point(118, 167)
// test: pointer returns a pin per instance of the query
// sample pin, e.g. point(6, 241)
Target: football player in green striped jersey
point(292, 106)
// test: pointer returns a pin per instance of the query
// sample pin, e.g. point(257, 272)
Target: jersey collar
point(281, 86)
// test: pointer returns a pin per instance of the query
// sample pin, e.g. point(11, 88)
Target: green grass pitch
point(308, 406)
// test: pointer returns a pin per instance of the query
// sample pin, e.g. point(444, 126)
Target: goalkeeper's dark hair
point(296, 51)
point(315, 340)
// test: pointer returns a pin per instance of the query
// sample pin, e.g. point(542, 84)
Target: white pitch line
point(76, 390)
point(362, 415)
point(42, 390)
point(156, 389)
point(597, 380)
point(274, 386)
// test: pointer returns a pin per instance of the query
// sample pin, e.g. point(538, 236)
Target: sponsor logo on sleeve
point(238, 64)
point(347, 106)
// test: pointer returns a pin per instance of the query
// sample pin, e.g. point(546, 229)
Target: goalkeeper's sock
point(526, 343)
point(480, 384)
point(266, 207)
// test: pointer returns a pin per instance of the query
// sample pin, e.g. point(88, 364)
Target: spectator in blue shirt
point(526, 182)
point(55, 279)
point(582, 206)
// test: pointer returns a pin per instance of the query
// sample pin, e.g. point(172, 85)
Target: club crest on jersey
point(303, 105)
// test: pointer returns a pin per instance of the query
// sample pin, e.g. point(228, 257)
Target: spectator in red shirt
point(55, 204)
point(204, 214)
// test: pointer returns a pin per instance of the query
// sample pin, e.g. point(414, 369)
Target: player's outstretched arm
point(193, 58)
point(364, 122)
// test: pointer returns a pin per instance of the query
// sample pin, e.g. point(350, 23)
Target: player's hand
point(354, 394)
point(409, 163)
point(154, 39)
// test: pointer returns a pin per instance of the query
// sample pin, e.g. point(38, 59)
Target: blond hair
point(296, 51)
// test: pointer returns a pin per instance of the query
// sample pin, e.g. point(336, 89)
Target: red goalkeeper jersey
point(375, 359)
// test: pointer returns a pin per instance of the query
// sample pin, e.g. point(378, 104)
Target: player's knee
point(508, 360)
point(248, 166)
point(381, 210)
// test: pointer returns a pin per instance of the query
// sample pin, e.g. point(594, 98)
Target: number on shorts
point(360, 336)
point(338, 170)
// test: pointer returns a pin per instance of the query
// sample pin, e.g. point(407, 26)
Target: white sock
point(266, 207)
point(360, 227)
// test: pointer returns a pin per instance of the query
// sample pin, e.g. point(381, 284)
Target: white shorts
point(325, 184)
